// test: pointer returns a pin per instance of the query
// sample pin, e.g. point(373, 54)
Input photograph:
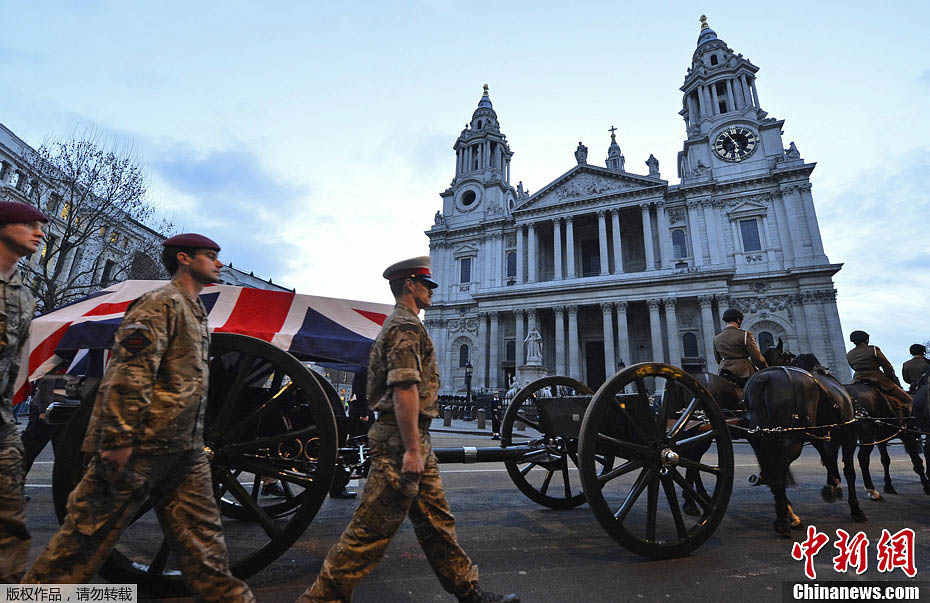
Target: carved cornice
point(494, 315)
point(572, 309)
point(607, 307)
point(705, 300)
point(670, 303)
point(559, 310)
point(621, 306)
point(518, 313)
point(653, 304)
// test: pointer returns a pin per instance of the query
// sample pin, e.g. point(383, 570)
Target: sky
point(312, 139)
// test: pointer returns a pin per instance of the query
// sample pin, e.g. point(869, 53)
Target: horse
point(807, 409)
point(871, 433)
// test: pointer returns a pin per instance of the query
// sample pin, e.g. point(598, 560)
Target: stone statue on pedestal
point(533, 343)
point(581, 153)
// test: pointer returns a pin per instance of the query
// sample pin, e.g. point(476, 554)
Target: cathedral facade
point(612, 268)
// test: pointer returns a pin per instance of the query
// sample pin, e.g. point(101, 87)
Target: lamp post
point(468, 371)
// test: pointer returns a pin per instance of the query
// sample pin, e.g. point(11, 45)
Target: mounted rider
point(736, 350)
point(871, 366)
point(914, 369)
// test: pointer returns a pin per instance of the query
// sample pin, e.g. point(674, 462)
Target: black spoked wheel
point(639, 503)
point(271, 433)
point(550, 411)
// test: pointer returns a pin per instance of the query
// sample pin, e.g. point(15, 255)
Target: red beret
point(14, 212)
point(192, 241)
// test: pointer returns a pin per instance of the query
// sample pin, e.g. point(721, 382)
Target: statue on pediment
point(653, 164)
point(792, 153)
point(438, 219)
point(581, 153)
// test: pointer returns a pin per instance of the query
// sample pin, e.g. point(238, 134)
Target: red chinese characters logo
point(852, 552)
point(808, 549)
point(897, 551)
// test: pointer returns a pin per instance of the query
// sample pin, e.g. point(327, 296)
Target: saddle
point(894, 404)
point(733, 378)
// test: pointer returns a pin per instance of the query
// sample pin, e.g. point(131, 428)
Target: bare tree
point(94, 195)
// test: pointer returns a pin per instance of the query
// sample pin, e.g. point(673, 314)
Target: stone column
point(655, 330)
point(519, 254)
point(784, 231)
point(797, 311)
point(702, 104)
point(559, 340)
point(713, 233)
point(531, 256)
point(755, 93)
point(747, 99)
point(570, 246)
point(790, 195)
point(574, 364)
point(602, 240)
point(479, 360)
point(715, 102)
point(557, 247)
point(494, 351)
point(812, 321)
point(665, 252)
point(708, 323)
point(839, 366)
point(647, 237)
point(738, 95)
point(618, 244)
point(697, 251)
point(520, 335)
point(674, 340)
point(730, 102)
point(808, 201)
point(610, 362)
point(767, 246)
point(623, 335)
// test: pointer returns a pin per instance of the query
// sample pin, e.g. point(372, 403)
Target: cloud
point(230, 196)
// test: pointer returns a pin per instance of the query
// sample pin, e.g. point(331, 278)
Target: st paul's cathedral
point(611, 267)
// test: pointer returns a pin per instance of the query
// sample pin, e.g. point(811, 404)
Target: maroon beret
point(192, 241)
point(14, 212)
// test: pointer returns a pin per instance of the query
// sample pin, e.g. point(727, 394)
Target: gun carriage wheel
point(635, 418)
point(551, 408)
point(267, 419)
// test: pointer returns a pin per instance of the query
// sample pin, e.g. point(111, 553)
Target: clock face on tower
point(735, 143)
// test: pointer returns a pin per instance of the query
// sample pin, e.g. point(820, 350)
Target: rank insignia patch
point(135, 342)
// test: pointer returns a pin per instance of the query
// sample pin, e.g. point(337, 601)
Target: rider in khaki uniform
point(146, 434)
point(20, 235)
point(915, 368)
point(870, 364)
point(735, 349)
point(403, 382)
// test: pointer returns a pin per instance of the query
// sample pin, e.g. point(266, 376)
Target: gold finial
point(485, 89)
point(703, 21)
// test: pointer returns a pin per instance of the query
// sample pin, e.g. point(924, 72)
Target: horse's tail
point(754, 397)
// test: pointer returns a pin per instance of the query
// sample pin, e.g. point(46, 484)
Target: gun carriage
point(269, 418)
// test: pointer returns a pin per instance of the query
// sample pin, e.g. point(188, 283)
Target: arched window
point(766, 340)
point(689, 343)
point(713, 61)
point(679, 244)
point(511, 264)
point(463, 355)
point(479, 124)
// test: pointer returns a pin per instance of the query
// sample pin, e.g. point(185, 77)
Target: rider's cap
point(732, 315)
point(14, 212)
point(191, 241)
point(417, 268)
point(918, 350)
point(858, 337)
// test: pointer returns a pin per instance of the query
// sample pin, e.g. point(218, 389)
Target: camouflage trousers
point(390, 496)
point(14, 536)
point(104, 503)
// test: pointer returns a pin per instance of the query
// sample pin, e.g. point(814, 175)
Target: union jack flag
point(336, 332)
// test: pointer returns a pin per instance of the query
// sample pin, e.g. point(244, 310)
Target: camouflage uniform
point(152, 398)
point(16, 309)
point(402, 354)
point(736, 351)
point(869, 362)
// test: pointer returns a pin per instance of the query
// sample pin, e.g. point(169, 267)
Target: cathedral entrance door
point(594, 363)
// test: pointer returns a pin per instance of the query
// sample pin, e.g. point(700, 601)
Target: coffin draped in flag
point(335, 332)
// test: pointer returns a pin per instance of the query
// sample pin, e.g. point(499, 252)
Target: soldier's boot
point(480, 596)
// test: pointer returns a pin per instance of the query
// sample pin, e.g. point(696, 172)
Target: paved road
point(550, 555)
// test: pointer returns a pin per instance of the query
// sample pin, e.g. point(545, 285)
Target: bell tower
point(481, 186)
point(728, 132)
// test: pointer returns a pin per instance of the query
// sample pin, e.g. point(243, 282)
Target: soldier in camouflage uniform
point(20, 235)
point(146, 434)
point(403, 382)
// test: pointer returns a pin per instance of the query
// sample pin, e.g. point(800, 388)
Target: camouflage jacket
point(153, 395)
point(16, 309)
point(403, 354)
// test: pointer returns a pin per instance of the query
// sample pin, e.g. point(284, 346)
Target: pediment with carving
point(584, 184)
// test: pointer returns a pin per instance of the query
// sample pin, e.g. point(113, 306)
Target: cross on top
point(612, 130)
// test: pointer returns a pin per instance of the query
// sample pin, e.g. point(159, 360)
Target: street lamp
point(468, 371)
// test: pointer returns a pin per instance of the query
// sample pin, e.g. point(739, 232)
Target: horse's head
point(778, 356)
point(806, 361)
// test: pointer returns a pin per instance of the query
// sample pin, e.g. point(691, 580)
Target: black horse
point(806, 409)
